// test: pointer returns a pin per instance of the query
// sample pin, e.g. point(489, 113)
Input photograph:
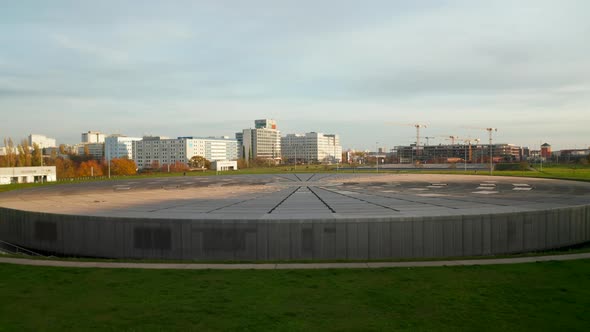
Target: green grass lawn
point(551, 296)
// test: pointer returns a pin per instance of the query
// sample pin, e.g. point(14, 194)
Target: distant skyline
point(210, 68)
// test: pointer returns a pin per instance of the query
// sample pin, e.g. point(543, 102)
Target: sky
point(362, 69)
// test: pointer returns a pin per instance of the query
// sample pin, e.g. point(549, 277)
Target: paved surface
point(301, 196)
point(292, 266)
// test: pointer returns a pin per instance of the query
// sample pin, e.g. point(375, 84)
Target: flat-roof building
point(264, 141)
point(9, 175)
point(42, 141)
point(311, 147)
point(95, 150)
point(154, 150)
point(93, 137)
point(473, 153)
point(119, 146)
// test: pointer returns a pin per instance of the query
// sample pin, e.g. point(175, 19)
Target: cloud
point(334, 66)
point(105, 54)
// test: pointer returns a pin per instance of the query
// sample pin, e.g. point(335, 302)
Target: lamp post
point(490, 131)
point(377, 155)
point(295, 157)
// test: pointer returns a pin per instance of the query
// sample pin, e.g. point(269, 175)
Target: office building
point(93, 137)
point(264, 141)
point(42, 141)
point(311, 148)
point(94, 150)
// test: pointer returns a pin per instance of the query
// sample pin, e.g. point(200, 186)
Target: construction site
point(456, 149)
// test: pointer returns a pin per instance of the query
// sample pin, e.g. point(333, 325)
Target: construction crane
point(452, 138)
point(490, 131)
point(428, 138)
point(468, 141)
point(415, 125)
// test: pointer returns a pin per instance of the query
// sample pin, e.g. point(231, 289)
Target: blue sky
point(203, 68)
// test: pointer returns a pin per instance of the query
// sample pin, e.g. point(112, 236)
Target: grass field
point(550, 296)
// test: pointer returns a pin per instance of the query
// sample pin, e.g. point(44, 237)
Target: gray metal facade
point(261, 240)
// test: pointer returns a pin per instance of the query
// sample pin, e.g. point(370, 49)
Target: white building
point(93, 137)
point(42, 141)
point(225, 165)
point(95, 150)
point(10, 175)
point(311, 147)
point(182, 149)
point(118, 146)
point(264, 141)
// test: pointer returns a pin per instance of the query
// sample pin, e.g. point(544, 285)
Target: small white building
point(225, 165)
point(10, 175)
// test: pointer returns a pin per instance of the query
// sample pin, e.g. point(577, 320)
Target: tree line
point(67, 163)
point(21, 155)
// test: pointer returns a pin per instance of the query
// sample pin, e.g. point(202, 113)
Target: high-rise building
point(119, 146)
point(264, 141)
point(240, 139)
point(151, 151)
point(42, 141)
point(311, 147)
point(93, 137)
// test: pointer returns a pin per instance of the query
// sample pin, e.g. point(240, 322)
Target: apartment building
point(155, 150)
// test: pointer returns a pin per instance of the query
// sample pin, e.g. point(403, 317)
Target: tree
point(65, 168)
point(123, 166)
point(89, 168)
point(37, 159)
point(10, 158)
point(26, 148)
point(242, 164)
point(178, 167)
point(199, 162)
point(155, 165)
point(21, 160)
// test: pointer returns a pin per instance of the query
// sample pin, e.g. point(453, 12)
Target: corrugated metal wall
point(415, 237)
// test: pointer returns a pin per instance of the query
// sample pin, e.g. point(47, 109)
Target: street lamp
point(468, 141)
point(490, 131)
point(377, 155)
